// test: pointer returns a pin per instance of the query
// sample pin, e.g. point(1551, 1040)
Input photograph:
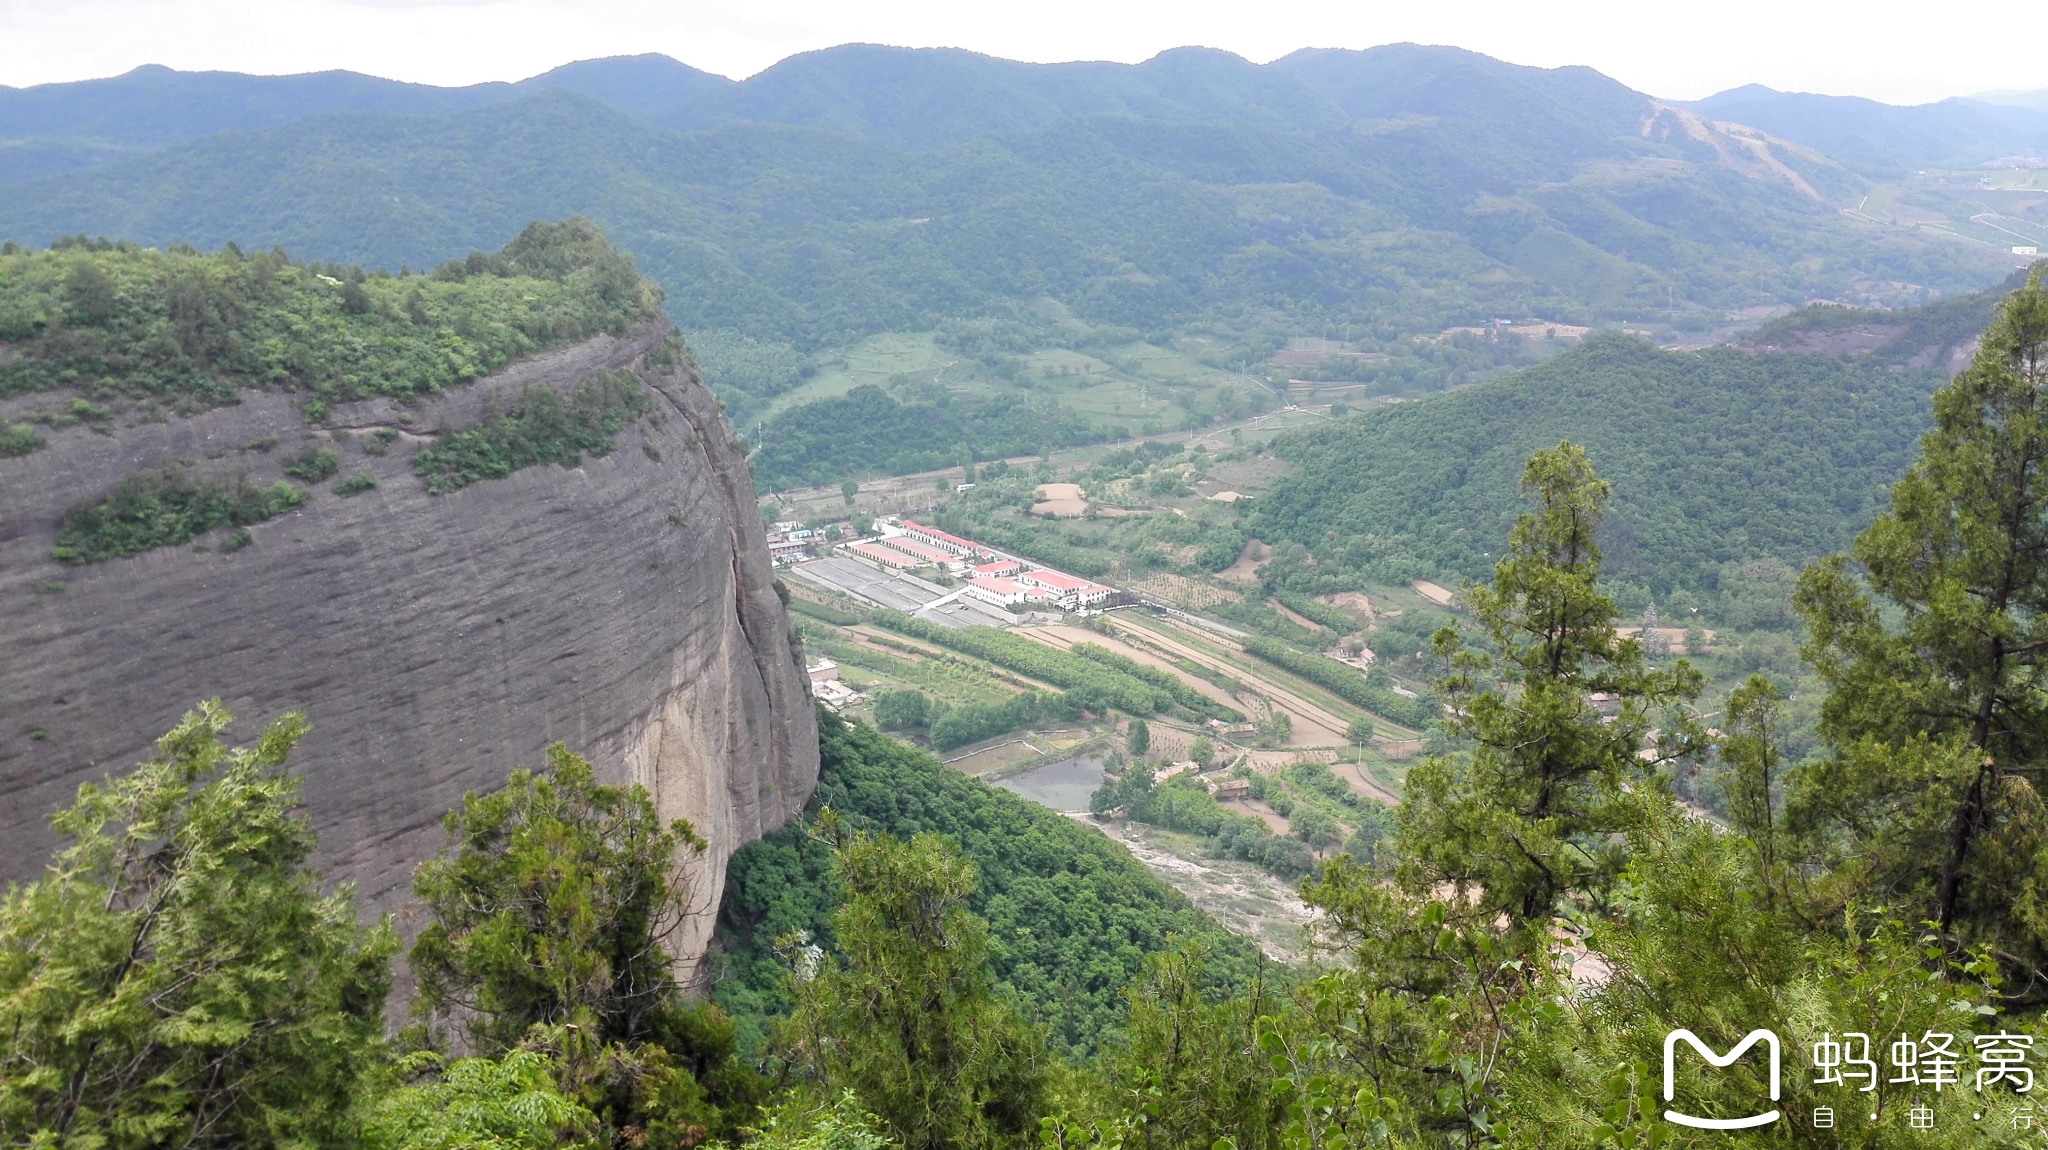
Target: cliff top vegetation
point(182, 330)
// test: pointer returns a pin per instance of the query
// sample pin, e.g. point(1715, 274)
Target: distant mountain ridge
point(1398, 190)
point(153, 106)
point(1886, 140)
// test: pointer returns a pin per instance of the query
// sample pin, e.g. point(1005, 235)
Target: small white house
point(2025, 250)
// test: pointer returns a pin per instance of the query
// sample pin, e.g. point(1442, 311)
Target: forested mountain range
point(863, 189)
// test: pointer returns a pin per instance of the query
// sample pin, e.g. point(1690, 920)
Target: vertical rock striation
point(626, 607)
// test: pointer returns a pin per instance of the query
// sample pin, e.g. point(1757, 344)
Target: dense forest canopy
point(1073, 915)
point(868, 431)
point(1716, 456)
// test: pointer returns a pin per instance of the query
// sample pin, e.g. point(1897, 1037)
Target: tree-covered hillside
point(868, 431)
point(1072, 915)
point(1398, 191)
point(1715, 455)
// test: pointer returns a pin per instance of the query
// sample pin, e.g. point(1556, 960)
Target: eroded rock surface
point(626, 608)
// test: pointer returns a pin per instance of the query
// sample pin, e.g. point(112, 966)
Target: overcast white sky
point(1896, 53)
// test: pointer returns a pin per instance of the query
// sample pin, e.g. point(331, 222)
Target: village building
point(925, 553)
point(1000, 592)
point(1069, 591)
point(998, 569)
point(933, 537)
point(886, 556)
point(822, 671)
point(836, 694)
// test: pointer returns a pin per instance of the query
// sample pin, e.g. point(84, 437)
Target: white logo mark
point(1713, 1059)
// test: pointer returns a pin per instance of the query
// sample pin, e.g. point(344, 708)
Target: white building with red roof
point(998, 569)
point(1001, 592)
point(932, 536)
point(921, 551)
point(887, 556)
point(1070, 591)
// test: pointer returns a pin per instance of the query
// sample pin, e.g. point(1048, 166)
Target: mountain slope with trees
point(1717, 455)
point(1074, 915)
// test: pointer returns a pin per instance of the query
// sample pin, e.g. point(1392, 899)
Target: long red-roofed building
point(920, 551)
point(937, 538)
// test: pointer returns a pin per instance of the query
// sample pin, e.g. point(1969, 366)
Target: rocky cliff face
point(626, 607)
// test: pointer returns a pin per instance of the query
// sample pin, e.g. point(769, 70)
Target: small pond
point(1064, 786)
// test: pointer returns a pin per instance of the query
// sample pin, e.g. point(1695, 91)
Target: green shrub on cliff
point(19, 439)
point(539, 427)
point(313, 465)
point(186, 329)
point(162, 508)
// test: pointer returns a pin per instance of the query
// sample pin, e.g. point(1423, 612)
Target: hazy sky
point(1899, 54)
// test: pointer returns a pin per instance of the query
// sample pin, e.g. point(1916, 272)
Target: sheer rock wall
point(626, 608)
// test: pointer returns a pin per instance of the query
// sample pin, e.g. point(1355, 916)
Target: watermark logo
point(1748, 1040)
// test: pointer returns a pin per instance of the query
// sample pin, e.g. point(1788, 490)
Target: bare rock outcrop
point(626, 608)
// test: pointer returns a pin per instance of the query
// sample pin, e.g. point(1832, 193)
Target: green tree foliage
point(973, 722)
point(1188, 1056)
point(1359, 732)
point(844, 1125)
point(1183, 804)
point(868, 431)
point(746, 372)
point(540, 426)
point(1099, 680)
point(1319, 613)
point(1427, 488)
point(901, 710)
point(1173, 685)
point(1935, 715)
point(176, 977)
point(163, 508)
point(509, 1103)
point(1140, 738)
point(904, 1014)
point(1529, 818)
point(186, 330)
point(1343, 681)
point(550, 905)
point(550, 909)
point(822, 613)
point(1071, 915)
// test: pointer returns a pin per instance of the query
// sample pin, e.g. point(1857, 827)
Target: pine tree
point(176, 977)
point(1140, 739)
point(908, 1020)
point(551, 904)
point(1530, 816)
point(1934, 661)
